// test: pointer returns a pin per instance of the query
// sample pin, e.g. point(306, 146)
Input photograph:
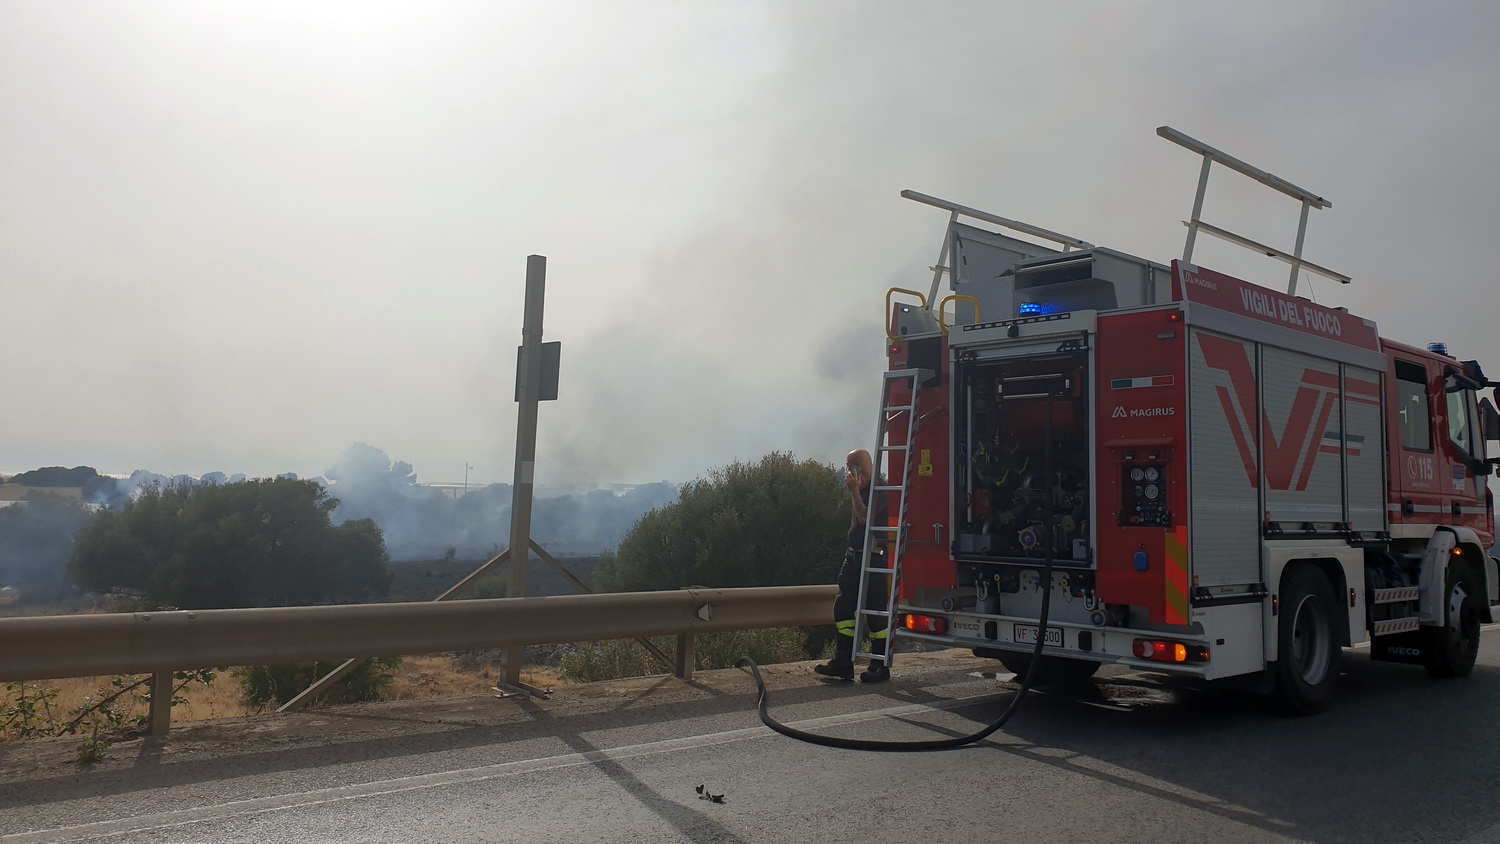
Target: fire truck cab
point(1223, 480)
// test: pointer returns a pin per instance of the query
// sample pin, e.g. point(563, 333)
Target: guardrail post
point(686, 656)
point(161, 703)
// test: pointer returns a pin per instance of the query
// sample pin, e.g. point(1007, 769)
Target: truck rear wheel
point(1307, 661)
point(1450, 650)
point(1054, 670)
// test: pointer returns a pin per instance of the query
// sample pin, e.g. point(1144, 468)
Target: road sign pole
point(529, 376)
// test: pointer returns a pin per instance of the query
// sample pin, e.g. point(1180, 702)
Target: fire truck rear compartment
point(1005, 488)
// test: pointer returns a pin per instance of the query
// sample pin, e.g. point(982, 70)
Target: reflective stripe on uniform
point(877, 634)
point(844, 628)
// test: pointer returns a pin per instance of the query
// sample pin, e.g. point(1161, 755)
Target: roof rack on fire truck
point(957, 210)
point(1309, 201)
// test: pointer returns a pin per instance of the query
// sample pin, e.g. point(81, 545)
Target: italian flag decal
point(1147, 381)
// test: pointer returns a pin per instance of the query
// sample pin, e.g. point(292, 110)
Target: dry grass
point(442, 676)
point(220, 700)
point(431, 677)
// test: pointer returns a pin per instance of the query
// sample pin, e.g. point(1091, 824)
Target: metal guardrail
point(158, 643)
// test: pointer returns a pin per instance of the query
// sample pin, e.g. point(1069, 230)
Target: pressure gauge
point(1152, 491)
point(1136, 474)
point(1152, 474)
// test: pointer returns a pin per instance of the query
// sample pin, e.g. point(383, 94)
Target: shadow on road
point(1398, 756)
point(693, 825)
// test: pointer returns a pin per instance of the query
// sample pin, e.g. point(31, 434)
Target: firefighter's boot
point(878, 671)
point(841, 667)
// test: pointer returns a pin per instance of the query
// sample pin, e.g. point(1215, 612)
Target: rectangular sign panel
point(1226, 293)
point(551, 368)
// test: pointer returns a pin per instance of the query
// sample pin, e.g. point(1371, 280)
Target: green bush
point(265, 685)
point(593, 661)
point(260, 543)
point(776, 522)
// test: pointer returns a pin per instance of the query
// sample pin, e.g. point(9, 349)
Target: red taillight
point(1158, 650)
point(1174, 316)
point(926, 623)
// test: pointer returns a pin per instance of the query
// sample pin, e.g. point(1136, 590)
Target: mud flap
point(1408, 648)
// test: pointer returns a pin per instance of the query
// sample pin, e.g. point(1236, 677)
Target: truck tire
point(1054, 670)
point(1450, 650)
point(1307, 661)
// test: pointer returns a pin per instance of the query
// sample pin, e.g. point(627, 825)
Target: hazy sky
point(241, 236)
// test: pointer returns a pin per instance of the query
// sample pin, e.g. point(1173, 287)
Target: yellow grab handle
point(955, 297)
point(889, 333)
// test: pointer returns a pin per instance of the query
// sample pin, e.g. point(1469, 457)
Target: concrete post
point(686, 656)
point(161, 704)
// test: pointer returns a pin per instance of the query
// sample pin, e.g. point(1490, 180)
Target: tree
point(265, 542)
point(776, 522)
point(36, 539)
point(56, 476)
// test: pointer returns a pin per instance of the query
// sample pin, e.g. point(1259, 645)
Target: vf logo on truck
point(1290, 452)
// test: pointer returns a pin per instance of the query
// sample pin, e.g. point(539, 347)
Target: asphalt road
point(1398, 758)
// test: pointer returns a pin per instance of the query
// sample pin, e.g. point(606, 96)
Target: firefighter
point(859, 478)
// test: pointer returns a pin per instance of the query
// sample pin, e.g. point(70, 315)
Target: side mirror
point(1489, 420)
point(1457, 380)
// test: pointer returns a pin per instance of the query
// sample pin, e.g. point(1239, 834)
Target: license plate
point(1026, 635)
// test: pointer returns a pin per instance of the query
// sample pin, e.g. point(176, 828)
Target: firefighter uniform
point(842, 664)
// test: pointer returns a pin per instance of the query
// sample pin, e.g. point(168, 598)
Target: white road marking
point(282, 802)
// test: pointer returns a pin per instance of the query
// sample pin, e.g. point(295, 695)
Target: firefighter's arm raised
point(860, 473)
point(861, 510)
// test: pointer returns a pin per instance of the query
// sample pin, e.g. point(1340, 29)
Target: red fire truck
point(1211, 478)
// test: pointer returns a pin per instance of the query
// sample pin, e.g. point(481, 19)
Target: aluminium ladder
point(895, 535)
